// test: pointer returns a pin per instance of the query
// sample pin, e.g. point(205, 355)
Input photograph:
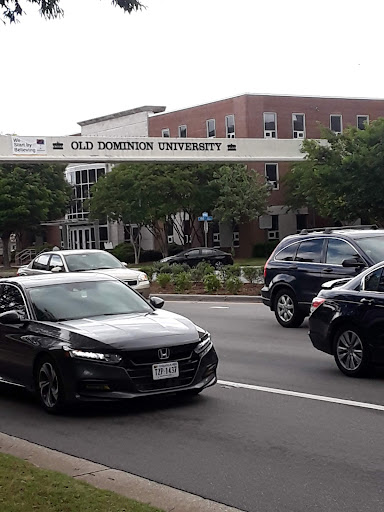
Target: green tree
point(50, 9)
point(242, 194)
point(29, 195)
point(341, 176)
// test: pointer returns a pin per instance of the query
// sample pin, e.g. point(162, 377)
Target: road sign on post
point(205, 218)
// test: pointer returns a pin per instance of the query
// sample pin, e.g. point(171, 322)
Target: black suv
point(301, 263)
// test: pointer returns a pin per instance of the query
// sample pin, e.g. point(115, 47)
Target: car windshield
point(70, 301)
point(373, 247)
point(91, 261)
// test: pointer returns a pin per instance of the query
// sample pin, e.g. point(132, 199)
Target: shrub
point(182, 281)
point(124, 252)
point(174, 249)
point(163, 279)
point(165, 268)
point(230, 271)
point(233, 284)
point(264, 250)
point(202, 269)
point(150, 255)
point(211, 283)
point(148, 270)
point(252, 274)
point(177, 268)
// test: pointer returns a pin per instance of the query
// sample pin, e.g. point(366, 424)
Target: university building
point(246, 116)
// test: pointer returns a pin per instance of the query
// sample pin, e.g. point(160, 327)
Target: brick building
point(269, 117)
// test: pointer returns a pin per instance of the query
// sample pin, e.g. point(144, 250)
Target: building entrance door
point(82, 237)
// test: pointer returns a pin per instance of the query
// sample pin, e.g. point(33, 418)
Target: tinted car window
point(11, 299)
point(374, 282)
point(373, 247)
point(195, 252)
point(338, 251)
point(41, 262)
point(288, 253)
point(208, 252)
point(310, 251)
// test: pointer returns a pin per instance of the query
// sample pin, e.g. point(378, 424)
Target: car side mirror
point(156, 302)
point(10, 317)
point(124, 264)
point(57, 269)
point(353, 262)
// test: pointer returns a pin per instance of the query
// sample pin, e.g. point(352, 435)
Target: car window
point(41, 262)
point(11, 299)
point(374, 282)
point(310, 251)
point(91, 261)
point(207, 252)
point(338, 251)
point(56, 261)
point(194, 252)
point(373, 247)
point(287, 254)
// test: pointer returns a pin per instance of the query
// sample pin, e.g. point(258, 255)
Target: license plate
point(165, 370)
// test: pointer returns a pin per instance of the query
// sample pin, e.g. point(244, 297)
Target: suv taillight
point(316, 302)
point(266, 264)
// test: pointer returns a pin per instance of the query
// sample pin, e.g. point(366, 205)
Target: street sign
point(205, 217)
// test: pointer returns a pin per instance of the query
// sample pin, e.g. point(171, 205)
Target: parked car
point(300, 264)
point(75, 337)
point(194, 256)
point(347, 321)
point(86, 260)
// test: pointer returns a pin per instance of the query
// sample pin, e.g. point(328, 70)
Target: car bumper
point(90, 381)
point(266, 296)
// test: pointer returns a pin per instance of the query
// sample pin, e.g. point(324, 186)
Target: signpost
point(205, 218)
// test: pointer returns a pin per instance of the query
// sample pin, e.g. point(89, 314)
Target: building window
point(183, 131)
point(165, 132)
point(273, 233)
point(236, 236)
point(298, 126)
point(272, 175)
point(230, 126)
point(362, 122)
point(211, 128)
point(270, 125)
point(336, 123)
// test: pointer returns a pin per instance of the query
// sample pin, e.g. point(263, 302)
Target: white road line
point(320, 398)
point(218, 307)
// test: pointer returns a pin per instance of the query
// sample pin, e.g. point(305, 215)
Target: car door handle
point(367, 302)
point(327, 269)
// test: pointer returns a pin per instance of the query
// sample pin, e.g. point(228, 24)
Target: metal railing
point(24, 257)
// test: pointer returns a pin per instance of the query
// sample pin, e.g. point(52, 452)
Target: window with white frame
point(236, 237)
point(273, 233)
point(298, 126)
point(183, 130)
point(211, 128)
point(272, 175)
point(362, 122)
point(230, 126)
point(165, 132)
point(216, 239)
point(270, 125)
point(336, 123)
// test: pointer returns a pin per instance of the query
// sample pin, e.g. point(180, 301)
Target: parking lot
point(241, 442)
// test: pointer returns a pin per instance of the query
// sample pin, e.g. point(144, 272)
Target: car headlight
point(164, 260)
point(142, 277)
point(205, 344)
point(94, 356)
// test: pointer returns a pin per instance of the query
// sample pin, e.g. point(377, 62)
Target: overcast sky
point(179, 53)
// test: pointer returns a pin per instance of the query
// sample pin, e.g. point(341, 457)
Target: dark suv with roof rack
point(301, 263)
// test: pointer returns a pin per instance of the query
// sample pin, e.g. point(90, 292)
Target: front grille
point(139, 367)
point(131, 282)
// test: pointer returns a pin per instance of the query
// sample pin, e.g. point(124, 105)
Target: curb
point(104, 477)
point(207, 298)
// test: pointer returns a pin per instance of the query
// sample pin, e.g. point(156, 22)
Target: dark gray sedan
point(73, 337)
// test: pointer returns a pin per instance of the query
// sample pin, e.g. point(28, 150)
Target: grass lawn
point(25, 488)
point(256, 262)
point(8, 273)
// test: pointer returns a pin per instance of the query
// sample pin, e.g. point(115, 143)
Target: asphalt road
point(251, 449)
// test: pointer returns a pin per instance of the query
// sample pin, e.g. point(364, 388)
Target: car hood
point(120, 273)
point(125, 332)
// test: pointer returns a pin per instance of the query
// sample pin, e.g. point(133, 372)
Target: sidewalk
point(104, 477)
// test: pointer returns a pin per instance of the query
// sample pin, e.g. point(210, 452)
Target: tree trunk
point(5, 240)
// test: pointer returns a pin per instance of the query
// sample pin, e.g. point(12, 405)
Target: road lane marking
point(320, 398)
point(218, 307)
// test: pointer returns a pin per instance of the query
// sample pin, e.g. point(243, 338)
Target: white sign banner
point(29, 146)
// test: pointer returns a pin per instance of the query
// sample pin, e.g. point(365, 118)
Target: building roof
point(148, 108)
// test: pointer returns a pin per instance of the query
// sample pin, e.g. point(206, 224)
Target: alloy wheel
point(349, 350)
point(285, 307)
point(48, 385)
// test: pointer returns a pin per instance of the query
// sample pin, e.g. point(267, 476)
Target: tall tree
point(50, 9)
point(342, 176)
point(29, 195)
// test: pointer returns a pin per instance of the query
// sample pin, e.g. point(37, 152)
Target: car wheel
point(218, 265)
point(49, 386)
point(287, 310)
point(351, 352)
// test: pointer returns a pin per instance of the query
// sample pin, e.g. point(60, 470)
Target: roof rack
point(338, 228)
